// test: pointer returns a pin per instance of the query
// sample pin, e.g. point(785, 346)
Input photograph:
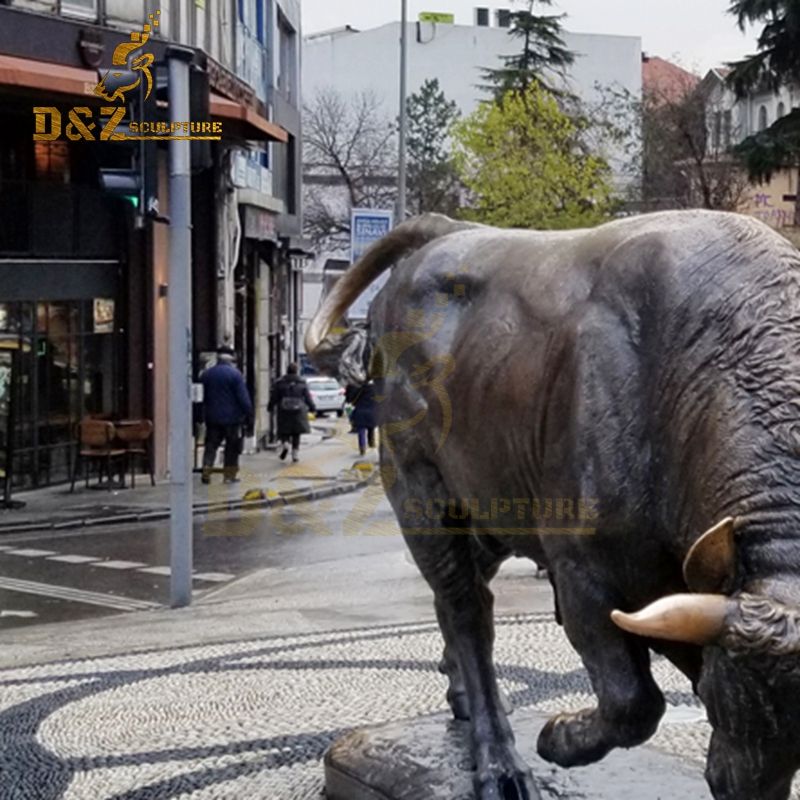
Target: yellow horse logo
point(140, 64)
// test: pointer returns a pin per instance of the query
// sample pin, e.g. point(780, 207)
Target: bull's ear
point(710, 565)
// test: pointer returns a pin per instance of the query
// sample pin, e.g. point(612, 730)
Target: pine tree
point(544, 53)
point(432, 178)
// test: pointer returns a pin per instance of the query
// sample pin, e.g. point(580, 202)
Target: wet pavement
point(59, 577)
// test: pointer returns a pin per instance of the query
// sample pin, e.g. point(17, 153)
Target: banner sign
point(435, 16)
point(367, 225)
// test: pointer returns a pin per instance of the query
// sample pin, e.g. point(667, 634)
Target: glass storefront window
point(67, 370)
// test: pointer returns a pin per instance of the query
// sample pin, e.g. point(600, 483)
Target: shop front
point(64, 353)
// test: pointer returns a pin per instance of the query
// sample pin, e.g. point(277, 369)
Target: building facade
point(730, 120)
point(84, 237)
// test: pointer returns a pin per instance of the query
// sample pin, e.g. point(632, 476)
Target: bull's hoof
point(574, 740)
point(516, 786)
point(503, 775)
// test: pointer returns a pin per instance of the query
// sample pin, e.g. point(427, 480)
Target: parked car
point(326, 394)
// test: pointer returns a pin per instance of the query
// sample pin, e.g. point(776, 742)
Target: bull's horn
point(690, 618)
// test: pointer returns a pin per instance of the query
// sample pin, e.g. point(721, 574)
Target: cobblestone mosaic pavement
point(252, 719)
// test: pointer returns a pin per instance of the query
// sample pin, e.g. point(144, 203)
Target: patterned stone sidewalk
point(252, 719)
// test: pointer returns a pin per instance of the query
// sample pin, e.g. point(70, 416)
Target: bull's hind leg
point(630, 704)
point(444, 554)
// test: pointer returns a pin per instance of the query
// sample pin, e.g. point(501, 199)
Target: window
point(482, 17)
point(52, 161)
point(503, 17)
point(260, 20)
point(763, 118)
point(781, 111)
point(286, 58)
point(717, 139)
point(727, 128)
point(86, 9)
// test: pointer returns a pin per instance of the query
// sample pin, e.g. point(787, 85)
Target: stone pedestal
point(428, 759)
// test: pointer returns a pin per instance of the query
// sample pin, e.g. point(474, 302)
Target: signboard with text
point(367, 225)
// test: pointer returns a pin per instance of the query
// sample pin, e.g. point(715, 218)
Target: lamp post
point(180, 335)
point(401, 170)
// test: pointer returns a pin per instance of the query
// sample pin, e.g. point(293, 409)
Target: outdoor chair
point(137, 436)
point(95, 444)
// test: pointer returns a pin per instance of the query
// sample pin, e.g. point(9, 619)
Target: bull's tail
point(405, 238)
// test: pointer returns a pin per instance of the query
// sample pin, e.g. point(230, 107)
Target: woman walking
point(364, 416)
point(291, 398)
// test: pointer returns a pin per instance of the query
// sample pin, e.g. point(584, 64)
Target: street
point(55, 577)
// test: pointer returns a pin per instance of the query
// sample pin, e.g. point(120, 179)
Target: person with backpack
point(293, 402)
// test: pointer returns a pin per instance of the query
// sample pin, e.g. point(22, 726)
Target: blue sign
point(367, 225)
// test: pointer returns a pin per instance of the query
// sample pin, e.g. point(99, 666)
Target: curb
point(263, 500)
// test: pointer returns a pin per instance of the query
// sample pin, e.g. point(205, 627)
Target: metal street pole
point(401, 171)
point(180, 335)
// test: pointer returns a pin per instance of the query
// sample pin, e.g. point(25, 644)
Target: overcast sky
point(697, 33)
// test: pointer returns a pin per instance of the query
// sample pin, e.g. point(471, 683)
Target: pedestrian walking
point(227, 408)
point(364, 416)
point(291, 398)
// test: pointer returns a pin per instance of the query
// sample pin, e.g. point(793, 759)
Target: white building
point(731, 120)
point(351, 62)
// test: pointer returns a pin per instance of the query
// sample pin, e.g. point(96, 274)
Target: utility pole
point(401, 171)
point(180, 334)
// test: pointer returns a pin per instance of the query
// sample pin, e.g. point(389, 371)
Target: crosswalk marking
point(76, 595)
point(73, 559)
point(118, 564)
point(20, 614)
point(156, 570)
point(214, 577)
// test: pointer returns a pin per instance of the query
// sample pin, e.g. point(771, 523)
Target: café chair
point(96, 444)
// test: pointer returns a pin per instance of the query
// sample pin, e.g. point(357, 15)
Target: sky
point(698, 34)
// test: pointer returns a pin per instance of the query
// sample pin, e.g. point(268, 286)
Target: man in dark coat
point(227, 407)
point(290, 396)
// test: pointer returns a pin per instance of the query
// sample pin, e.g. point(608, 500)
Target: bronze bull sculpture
point(653, 365)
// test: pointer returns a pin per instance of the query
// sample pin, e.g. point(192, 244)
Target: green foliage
point(523, 162)
point(433, 183)
point(778, 56)
point(769, 151)
point(544, 53)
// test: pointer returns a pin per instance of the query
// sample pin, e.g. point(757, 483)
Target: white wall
point(455, 54)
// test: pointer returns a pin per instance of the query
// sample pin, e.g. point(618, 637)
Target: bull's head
point(750, 679)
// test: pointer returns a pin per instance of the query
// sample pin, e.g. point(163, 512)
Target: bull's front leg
point(630, 704)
